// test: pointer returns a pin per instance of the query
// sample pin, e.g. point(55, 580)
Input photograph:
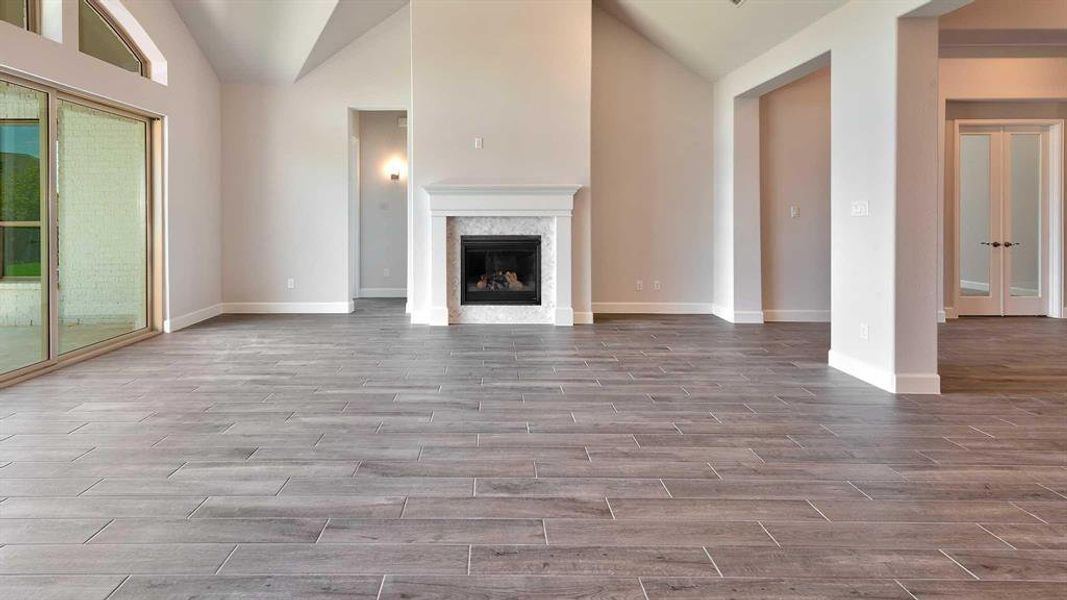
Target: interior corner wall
point(189, 104)
point(516, 74)
point(991, 88)
point(795, 172)
point(651, 174)
point(286, 168)
point(383, 204)
point(860, 40)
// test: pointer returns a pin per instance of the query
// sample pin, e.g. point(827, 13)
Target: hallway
point(309, 456)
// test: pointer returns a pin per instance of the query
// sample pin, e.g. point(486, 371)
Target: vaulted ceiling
point(713, 37)
point(277, 41)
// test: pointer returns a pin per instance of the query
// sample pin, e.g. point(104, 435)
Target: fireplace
point(500, 269)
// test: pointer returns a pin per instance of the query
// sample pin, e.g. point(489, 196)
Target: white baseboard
point(736, 316)
point(181, 322)
point(583, 318)
point(288, 307)
point(653, 308)
point(896, 383)
point(383, 293)
point(797, 316)
point(917, 383)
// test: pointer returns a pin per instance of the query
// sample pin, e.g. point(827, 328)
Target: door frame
point(155, 228)
point(1052, 161)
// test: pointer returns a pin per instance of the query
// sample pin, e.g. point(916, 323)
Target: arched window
point(21, 13)
point(100, 36)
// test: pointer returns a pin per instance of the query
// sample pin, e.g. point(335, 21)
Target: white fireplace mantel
point(494, 200)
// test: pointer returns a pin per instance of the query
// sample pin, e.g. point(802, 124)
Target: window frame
point(121, 33)
point(33, 16)
point(12, 224)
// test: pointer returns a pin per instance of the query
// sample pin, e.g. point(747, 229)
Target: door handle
point(993, 244)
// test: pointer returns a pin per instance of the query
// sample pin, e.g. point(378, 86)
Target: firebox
point(500, 269)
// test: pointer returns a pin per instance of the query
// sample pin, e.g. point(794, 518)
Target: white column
point(438, 270)
point(564, 308)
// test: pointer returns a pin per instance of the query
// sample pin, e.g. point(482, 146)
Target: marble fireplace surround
point(501, 208)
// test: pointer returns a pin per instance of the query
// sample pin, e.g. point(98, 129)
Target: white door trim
point(1054, 150)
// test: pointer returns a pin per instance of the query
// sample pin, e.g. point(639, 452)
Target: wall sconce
point(395, 168)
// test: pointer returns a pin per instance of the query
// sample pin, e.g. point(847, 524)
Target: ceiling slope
point(714, 37)
point(277, 41)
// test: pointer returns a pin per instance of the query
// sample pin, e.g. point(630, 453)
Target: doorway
point(380, 189)
point(1005, 203)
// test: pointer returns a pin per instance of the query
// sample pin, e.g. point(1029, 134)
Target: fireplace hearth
point(500, 269)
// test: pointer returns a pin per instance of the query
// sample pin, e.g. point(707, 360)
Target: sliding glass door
point(102, 225)
point(23, 230)
point(76, 244)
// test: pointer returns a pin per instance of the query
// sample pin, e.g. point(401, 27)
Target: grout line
point(811, 504)
point(713, 470)
point(381, 587)
point(767, 531)
point(474, 487)
point(112, 593)
point(949, 556)
point(906, 590)
point(859, 490)
point(98, 531)
point(544, 530)
point(323, 530)
point(996, 536)
point(470, 553)
point(708, 554)
point(643, 590)
point(665, 488)
point(1027, 512)
point(227, 559)
point(1064, 496)
point(190, 515)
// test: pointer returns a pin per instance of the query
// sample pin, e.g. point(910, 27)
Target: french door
point(1002, 220)
point(76, 235)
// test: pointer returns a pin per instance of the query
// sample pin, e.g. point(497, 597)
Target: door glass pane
point(1025, 250)
point(15, 12)
point(23, 290)
point(974, 215)
point(103, 250)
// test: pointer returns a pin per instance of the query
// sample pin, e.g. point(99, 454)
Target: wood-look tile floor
point(649, 457)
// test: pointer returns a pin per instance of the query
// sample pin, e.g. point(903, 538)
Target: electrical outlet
point(291, 283)
point(860, 209)
point(865, 331)
point(640, 285)
point(794, 212)
point(385, 271)
point(656, 285)
point(478, 143)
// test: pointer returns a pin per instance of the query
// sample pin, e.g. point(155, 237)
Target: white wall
point(190, 105)
point(286, 175)
point(883, 269)
point(383, 204)
point(651, 174)
point(795, 172)
point(518, 75)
